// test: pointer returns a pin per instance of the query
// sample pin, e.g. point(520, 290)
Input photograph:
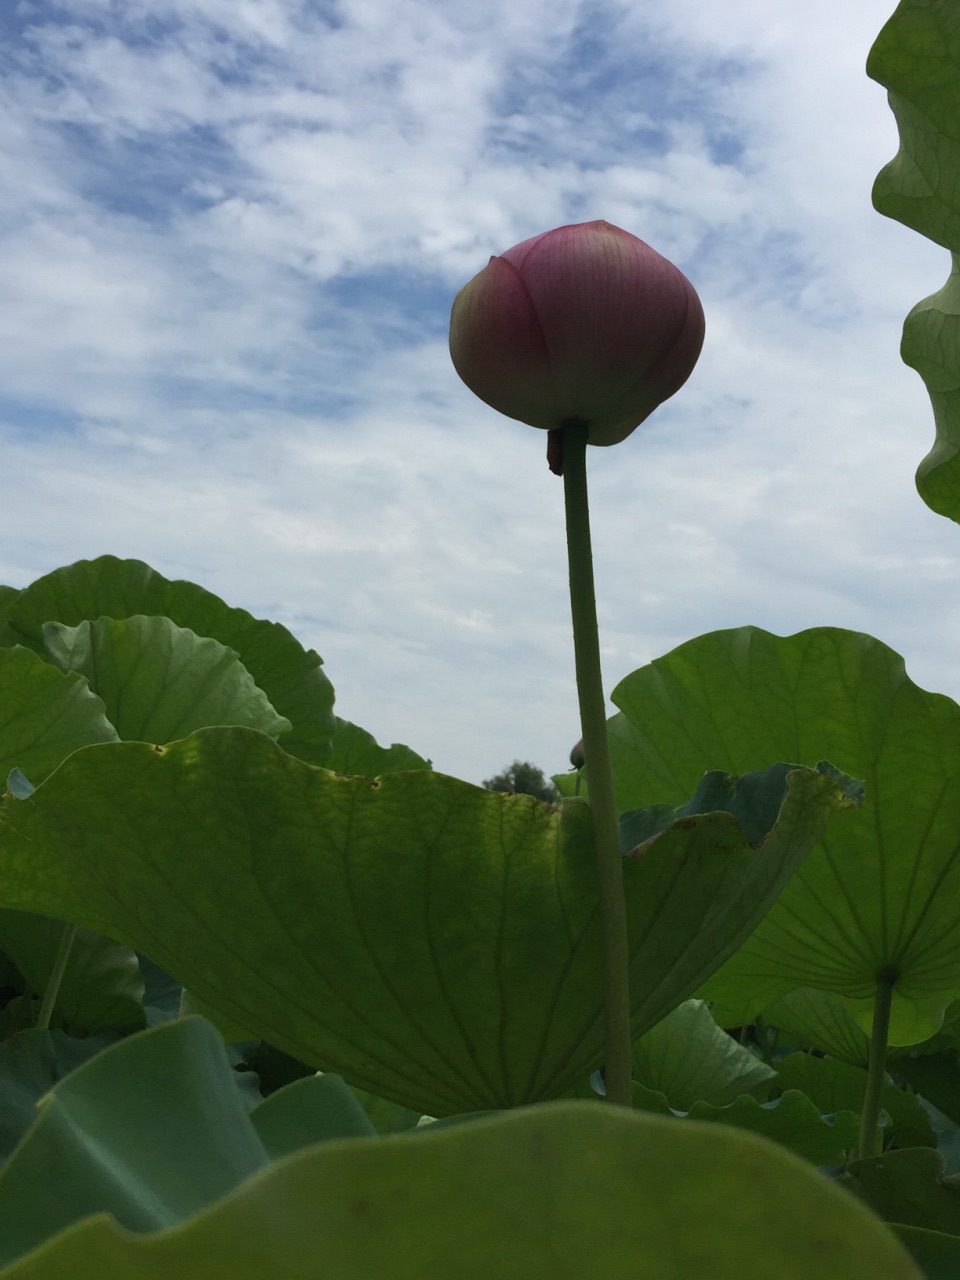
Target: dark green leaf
point(937, 1254)
point(937, 1077)
point(917, 58)
point(908, 1187)
point(792, 1121)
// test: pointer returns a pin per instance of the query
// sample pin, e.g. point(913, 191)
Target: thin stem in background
point(876, 1068)
point(56, 976)
point(603, 806)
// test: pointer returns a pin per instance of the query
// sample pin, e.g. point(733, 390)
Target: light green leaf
point(433, 942)
point(525, 1196)
point(44, 716)
point(158, 681)
point(689, 1059)
point(289, 675)
point(879, 893)
point(917, 58)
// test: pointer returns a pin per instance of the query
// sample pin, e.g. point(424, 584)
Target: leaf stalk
point(52, 989)
point(876, 1067)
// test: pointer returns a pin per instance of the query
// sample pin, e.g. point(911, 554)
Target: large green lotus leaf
point(792, 1121)
point(44, 715)
point(916, 58)
point(433, 942)
point(289, 675)
point(878, 896)
point(101, 986)
point(544, 1193)
point(689, 1059)
point(358, 753)
point(158, 681)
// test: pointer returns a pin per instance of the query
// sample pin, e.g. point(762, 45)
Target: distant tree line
point(524, 778)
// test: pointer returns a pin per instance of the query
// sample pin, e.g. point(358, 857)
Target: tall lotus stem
point(593, 719)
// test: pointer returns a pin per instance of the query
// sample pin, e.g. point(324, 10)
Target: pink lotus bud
point(582, 323)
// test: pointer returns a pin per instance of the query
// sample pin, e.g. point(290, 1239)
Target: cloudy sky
point(231, 234)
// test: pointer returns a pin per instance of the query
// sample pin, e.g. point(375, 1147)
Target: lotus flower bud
point(585, 323)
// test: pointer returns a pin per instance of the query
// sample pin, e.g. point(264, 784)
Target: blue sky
point(231, 235)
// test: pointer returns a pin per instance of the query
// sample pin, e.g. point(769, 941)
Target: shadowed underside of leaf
point(878, 896)
point(431, 941)
point(916, 58)
point(44, 715)
point(159, 681)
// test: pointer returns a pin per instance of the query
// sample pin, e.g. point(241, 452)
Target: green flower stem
point(56, 976)
point(876, 1068)
point(593, 717)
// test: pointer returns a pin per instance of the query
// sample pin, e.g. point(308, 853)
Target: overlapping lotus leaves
point(289, 675)
point(917, 58)
point(101, 985)
point(810, 1019)
point(792, 1121)
point(31, 1063)
point(879, 894)
point(688, 1058)
point(158, 681)
point(433, 942)
point(44, 715)
point(357, 752)
point(145, 1162)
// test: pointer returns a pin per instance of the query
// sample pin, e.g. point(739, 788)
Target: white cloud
point(227, 260)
